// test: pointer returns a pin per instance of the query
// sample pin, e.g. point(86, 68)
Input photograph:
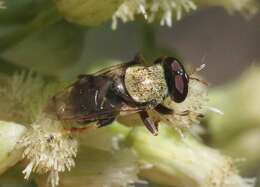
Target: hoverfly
point(123, 89)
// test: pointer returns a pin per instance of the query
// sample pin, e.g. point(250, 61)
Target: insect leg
point(167, 111)
point(80, 130)
point(105, 122)
point(163, 109)
point(189, 112)
point(149, 123)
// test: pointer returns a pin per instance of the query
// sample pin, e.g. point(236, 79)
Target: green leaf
point(49, 51)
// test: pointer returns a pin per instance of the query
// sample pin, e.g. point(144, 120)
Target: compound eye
point(177, 79)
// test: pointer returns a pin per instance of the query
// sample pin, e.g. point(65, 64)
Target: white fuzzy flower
point(150, 9)
point(49, 149)
point(248, 8)
point(188, 112)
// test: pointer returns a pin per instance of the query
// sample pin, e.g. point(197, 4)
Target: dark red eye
point(176, 78)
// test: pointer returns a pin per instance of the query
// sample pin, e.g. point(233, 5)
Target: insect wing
point(88, 100)
point(120, 68)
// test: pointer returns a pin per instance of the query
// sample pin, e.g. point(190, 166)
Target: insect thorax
point(145, 84)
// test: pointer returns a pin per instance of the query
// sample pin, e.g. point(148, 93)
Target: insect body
point(129, 88)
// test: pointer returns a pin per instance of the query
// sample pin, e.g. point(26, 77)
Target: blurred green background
point(35, 37)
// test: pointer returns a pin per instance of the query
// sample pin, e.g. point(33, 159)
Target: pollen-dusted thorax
point(146, 84)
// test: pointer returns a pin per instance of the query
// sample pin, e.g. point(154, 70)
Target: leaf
point(49, 51)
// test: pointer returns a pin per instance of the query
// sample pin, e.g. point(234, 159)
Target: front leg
point(149, 123)
point(163, 110)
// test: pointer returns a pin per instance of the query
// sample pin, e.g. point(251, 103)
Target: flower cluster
point(187, 113)
point(49, 149)
point(151, 8)
point(97, 168)
point(248, 8)
point(194, 163)
point(23, 96)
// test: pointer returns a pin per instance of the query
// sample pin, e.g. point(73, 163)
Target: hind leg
point(105, 122)
point(100, 123)
point(82, 129)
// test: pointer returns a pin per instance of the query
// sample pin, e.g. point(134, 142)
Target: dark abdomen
point(93, 99)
